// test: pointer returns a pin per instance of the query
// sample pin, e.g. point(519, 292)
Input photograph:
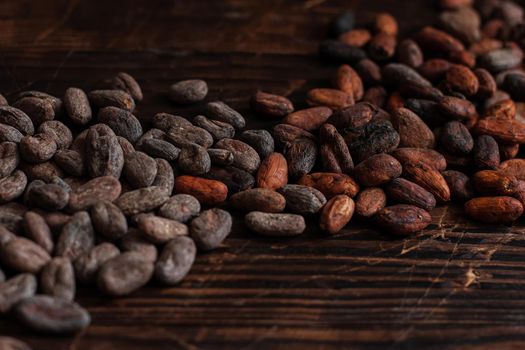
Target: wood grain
point(457, 285)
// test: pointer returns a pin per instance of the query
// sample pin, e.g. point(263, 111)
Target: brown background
point(457, 285)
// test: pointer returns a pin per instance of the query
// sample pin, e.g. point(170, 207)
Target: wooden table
point(457, 285)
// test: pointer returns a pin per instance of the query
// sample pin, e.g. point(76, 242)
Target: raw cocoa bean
point(460, 186)
point(142, 200)
point(402, 219)
point(258, 199)
point(16, 289)
point(336, 214)
point(124, 274)
point(58, 279)
point(188, 91)
point(270, 105)
point(160, 230)
point(330, 184)
point(370, 201)
point(494, 210)
point(77, 237)
point(175, 260)
point(303, 199)
point(88, 264)
point(275, 225)
point(210, 228)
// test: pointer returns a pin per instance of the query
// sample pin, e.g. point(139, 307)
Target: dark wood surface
point(457, 285)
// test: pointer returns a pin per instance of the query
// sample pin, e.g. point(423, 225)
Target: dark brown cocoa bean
point(139, 169)
point(16, 289)
point(58, 132)
point(494, 183)
point(125, 82)
point(88, 264)
point(38, 148)
point(17, 119)
point(77, 106)
point(406, 192)
point(302, 199)
point(194, 159)
point(9, 158)
point(142, 200)
point(414, 155)
point(175, 260)
point(48, 197)
point(134, 241)
point(210, 228)
point(244, 156)
point(124, 274)
point(122, 122)
point(220, 157)
point(369, 72)
point(370, 201)
point(456, 139)
point(334, 152)
point(37, 229)
point(77, 237)
point(413, 132)
point(377, 170)
point(39, 110)
point(12, 186)
point(260, 140)
point(460, 186)
point(221, 111)
point(284, 134)
point(165, 178)
point(58, 279)
point(112, 98)
point(219, 130)
point(188, 91)
point(181, 208)
point(486, 153)
point(159, 230)
point(160, 149)
point(46, 314)
point(108, 220)
point(9, 133)
point(23, 255)
point(70, 161)
point(409, 53)
point(104, 155)
point(183, 135)
point(301, 156)
point(100, 188)
point(270, 105)
point(377, 137)
point(275, 225)
point(402, 219)
point(258, 199)
point(166, 121)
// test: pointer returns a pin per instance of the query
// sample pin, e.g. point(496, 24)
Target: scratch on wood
point(471, 277)
point(55, 73)
point(71, 7)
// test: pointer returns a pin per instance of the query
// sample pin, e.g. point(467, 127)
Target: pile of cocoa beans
point(93, 194)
